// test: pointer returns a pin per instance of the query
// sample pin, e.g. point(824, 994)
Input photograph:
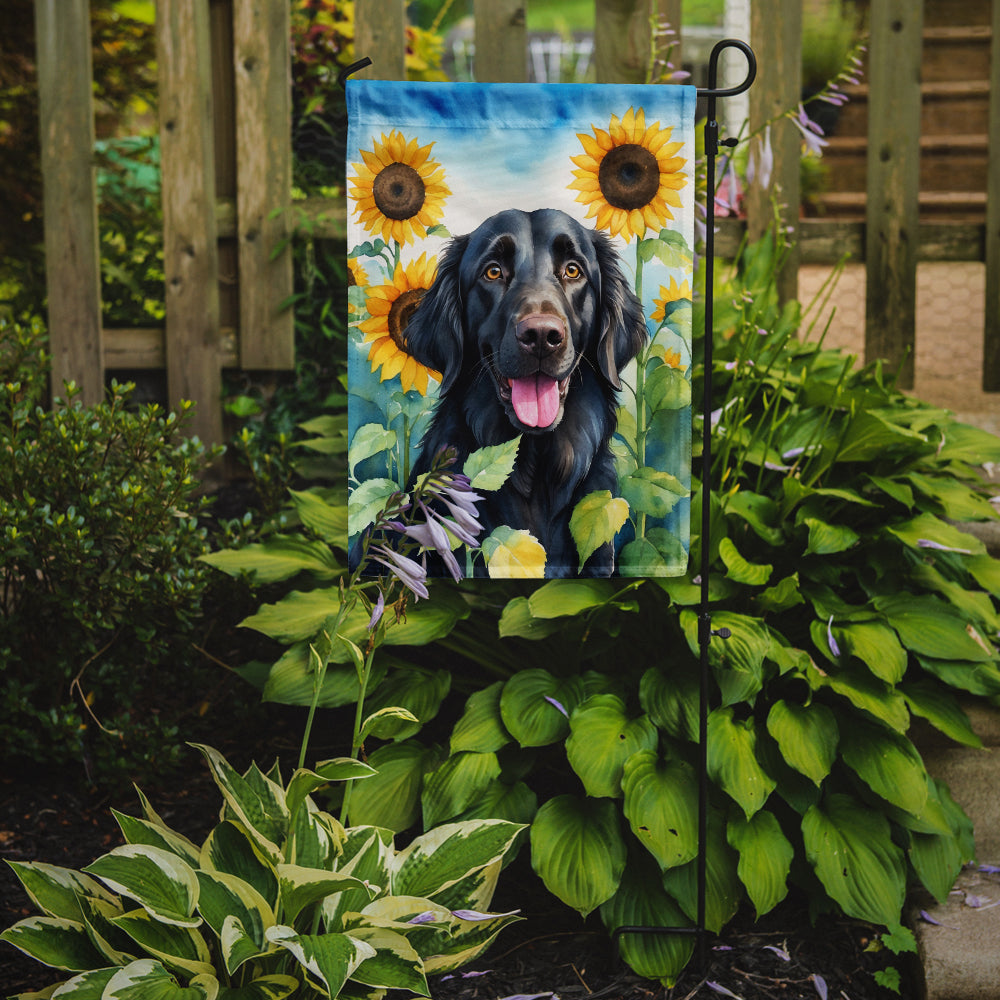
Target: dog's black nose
point(540, 333)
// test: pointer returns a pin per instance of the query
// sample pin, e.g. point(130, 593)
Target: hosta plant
point(279, 900)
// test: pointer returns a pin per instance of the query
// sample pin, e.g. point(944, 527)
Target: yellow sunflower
point(398, 191)
point(668, 295)
point(355, 276)
point(390, 308)
point(629, 176)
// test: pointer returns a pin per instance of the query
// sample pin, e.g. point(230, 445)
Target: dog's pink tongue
point(535, 399)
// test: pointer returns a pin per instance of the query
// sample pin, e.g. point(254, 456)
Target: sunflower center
point(399, 315)
point(629, 176)
point(399, 191)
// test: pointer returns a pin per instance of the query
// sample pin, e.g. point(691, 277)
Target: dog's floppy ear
point(622, 326)
point(435, 332)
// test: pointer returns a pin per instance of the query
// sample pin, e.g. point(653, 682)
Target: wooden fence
point(226, 161)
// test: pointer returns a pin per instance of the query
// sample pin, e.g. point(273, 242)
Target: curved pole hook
point(712, 90)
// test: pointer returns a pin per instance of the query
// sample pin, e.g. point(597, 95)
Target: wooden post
point(380, 34)
point(622, 40)
point(991, 333)
point(893, 183)
point(190, 253)
point(776, 35)
point(262, 61)
point(501, 41)
point(72, 255)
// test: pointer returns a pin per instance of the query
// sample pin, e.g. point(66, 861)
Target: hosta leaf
point(807, 736)
point(641, 901)
point(760, 512)
point(828, 539)
point(489, 468)
point(651, 491)
point(466, 941)
point(225, 897)
point(455, 785)
point(368, 501)
point(513, 554)
point(559, 598)
point(976, 678)
point(304, 782)
point(517, 620)
point(870, 436)
point(418, 690)
point(368, 440)
point(578, 851)
point(231, 850)
point(928, 528)
point(671, 700)
point(667, 388)
point(54, 941)
point(936, 704)
point(391, 798)
point(888, 763)
point(181, 948)
point(274, 987)
point(395, 964)
point(330, 959)
point(661, 799)
point(659, 553)
point(876, 645)
point(738, 661)
point(741, 571)
point(56, 891)
point(159, 881)
point(732, 760)
point(765, 858)
point(279, 558)
point(595, 520)
point(87, 986)
point(142, 831)
point(850, 848)
point(723, 889)
point(985, 570)
point(932, 628)
point(301, 887)
point(440, 858)
point(937, 857)
point(530, 706)
point(328, 520)
point(516, 803)
point(147, 979)
point(481, 727)
point(958, 502)
point(866, 692)
point(783, 595)
point(602, 738)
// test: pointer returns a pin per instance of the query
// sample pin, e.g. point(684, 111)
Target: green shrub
point(854, 602)
point(280, 899)
point(101, 584)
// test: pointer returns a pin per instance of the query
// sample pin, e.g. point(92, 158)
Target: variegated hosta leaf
point(395, 964)
point(329, 959)
point(301, 887)
point(661, 799)
point(142, 831)
point(256, 801)
point(275, 987)
point(851, 849)
point(642, 902)
point(367, 854)
point(602, 737)
point(467, 940)
point(304, 782)
point(807, 736)
point(158, 880)
point(441, 857)
point(177, 947)
point(578, 851)
point(56, 891)
point(765, 858)
point(732, 760)
point(149, 980)
point(98, 915)
point(230, 849)
point(315, 838)
point(54, 941)
point(225, 897)
point(86, 986)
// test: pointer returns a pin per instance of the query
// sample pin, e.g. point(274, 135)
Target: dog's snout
point(541, 333)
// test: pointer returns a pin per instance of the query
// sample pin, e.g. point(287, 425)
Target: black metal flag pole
point(705, 631)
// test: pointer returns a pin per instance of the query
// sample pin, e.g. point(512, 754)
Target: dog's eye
point(493, 272)
point(572, 270)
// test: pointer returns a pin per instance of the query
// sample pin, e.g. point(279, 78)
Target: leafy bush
point(854, 604)
point(279, 899)
point(99, 540)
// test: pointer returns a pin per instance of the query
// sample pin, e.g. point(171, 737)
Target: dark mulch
point(551, 952)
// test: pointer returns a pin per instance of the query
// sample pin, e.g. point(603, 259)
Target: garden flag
point(521, 263)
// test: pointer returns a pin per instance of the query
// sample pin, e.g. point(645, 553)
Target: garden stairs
point(955, 86)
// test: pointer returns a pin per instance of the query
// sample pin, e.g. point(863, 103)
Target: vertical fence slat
point(668, 14)
point(621, 40)
point(776, 34)
point(893, 183)
point(261, 57)
point(190, 252)
point(380, 34)
point(501, 41)
point(72, 257)
point(991, 332)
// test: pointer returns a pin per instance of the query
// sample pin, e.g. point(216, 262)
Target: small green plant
point(279, 899)
point(100, 584)
point(830, 31)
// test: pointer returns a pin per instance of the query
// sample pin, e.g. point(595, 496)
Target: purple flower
point(377, 611)
point(834, 648)
point(811, 132)
point(427, 917)
point(431, 535)
point(558, 705)
point(411, 574)
point(475, 915)
point(761, 162)
point(820, 983)
point(927, 543)
point(780, 952)
point(719, 988)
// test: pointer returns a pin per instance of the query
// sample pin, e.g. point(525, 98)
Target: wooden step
point(956, 53)
point(947, 162)
point(944, 12)
point(946, 107)
point(957, 206)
